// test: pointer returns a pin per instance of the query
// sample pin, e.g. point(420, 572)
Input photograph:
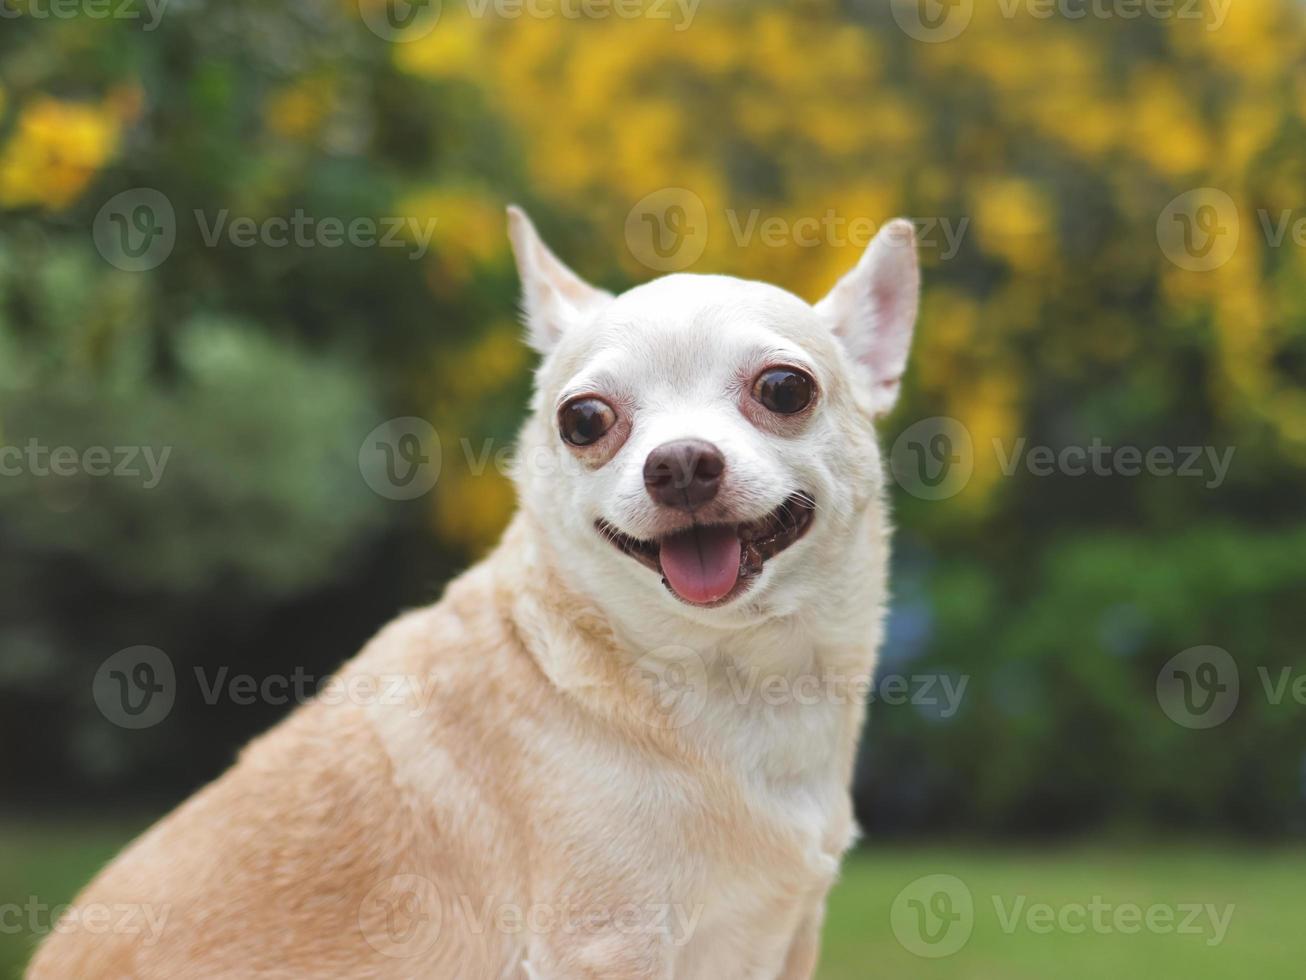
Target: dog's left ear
point(872, 309)
point(553, 297)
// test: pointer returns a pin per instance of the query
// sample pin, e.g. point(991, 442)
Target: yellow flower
point(1166, 131)
point(56, 149)
point(1013, 220)
point(463, 226)
point(472, 509)
point(299, 110)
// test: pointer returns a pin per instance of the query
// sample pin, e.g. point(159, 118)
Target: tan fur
point(485, 793)
point(531, 769)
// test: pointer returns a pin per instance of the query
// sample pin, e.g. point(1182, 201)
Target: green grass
point(1267, 889)
point(47, 865)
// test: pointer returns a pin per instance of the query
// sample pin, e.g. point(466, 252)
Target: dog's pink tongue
point(702, 564)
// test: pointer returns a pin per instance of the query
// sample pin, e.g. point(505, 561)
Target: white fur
point(672, 352)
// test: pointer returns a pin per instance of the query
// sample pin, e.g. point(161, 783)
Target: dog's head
point(706, 443)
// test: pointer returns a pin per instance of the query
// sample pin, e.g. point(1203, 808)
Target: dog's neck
point(838, 632)
point(819, 659)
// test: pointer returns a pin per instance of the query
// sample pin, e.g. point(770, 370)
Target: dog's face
point(706, 443)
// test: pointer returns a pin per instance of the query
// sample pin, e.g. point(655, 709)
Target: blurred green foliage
point(1059, 319)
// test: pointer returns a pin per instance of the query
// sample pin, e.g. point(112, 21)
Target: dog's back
point(315, 855)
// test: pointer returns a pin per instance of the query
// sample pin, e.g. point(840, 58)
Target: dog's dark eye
point(784, 390)
point(584, 420)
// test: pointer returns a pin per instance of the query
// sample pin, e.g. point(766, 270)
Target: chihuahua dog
point(635, 756)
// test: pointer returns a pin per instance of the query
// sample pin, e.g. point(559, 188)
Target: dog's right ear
point(553, 297)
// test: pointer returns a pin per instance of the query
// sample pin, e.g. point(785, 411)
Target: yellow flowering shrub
point(55, 150)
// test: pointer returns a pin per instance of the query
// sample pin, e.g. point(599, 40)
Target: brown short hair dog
point(632, 751)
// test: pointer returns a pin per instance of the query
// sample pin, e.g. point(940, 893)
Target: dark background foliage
point(1060, 318)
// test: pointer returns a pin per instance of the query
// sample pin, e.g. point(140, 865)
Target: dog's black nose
point(684, 474)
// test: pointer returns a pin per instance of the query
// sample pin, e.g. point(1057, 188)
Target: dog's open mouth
point(710, 564)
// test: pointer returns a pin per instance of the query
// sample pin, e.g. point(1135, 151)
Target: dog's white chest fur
point(751, 911)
